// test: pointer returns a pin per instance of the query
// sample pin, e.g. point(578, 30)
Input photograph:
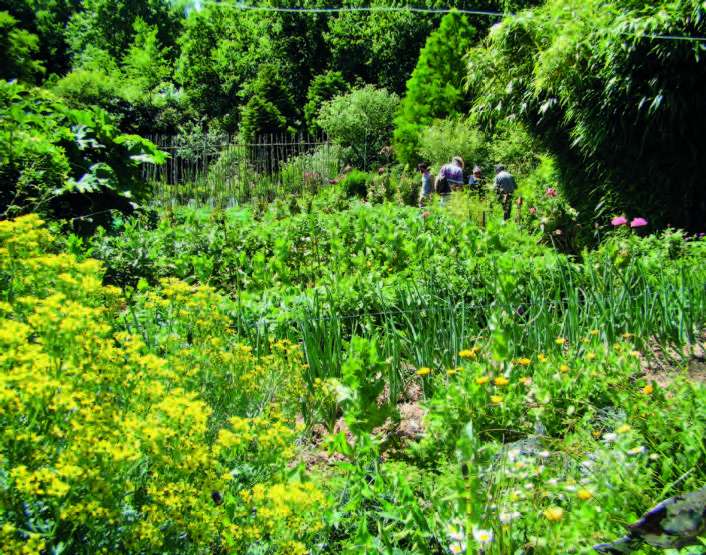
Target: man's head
point(476, 171)
point(499, 168)
point(422, 167)
point(458, 161)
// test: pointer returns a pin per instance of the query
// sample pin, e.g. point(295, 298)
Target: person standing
point(475, 181)
point(427, 186)
point(450, 178)
point(504, 187)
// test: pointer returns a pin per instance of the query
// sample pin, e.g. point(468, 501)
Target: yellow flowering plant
point(129, 438)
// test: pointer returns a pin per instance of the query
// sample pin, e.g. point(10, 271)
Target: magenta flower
point(551, 192)
point(638, 222)
point(618, 221)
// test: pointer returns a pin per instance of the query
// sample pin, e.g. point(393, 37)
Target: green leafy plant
point(64, 162)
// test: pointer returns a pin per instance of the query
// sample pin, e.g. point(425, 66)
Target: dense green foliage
point(270, 108)
point(323, 87)
point(473, 387)
point(112, 25)
point(64, 162)
point(422, 291)
point(435, 89)
point(604, 108)
point(367, 259)
point(616, 104)
point(288, 350)
point(47, 20)
point(19, 48)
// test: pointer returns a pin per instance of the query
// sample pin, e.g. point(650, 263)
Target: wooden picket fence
point(227, 172)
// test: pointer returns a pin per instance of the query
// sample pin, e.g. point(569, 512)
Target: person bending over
point(450, 178)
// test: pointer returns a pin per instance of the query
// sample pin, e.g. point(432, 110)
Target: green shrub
point(89, 87)
point(270, 109)
point(355, 183)
point(227, 171)
point(323, 87)
point(312, 170)
point(610, 100)
point(447, 138)
point(407, 190)
point(18, 48)
point(511, 145)
point(361, 123)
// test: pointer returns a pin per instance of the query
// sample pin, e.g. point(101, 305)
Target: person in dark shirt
point(504, 188)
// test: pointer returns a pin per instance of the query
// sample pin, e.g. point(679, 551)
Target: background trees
point(19, 47)
point(599, 84)
point(47, 19)
point(110, 24)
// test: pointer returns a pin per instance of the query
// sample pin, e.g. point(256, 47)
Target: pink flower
point(550, 192)
point(533, 210)
point(619, 220)
point(638, 222)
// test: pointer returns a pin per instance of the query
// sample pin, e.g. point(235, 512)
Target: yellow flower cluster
point(131, 436)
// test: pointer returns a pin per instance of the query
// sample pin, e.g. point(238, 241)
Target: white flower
point(553, 482)
point(513, 454)
point(457, 547)
point(654, 456)
point(637, 450)
point(507, 518)
point(483, 537)
point(543, 454)
point(455, 532)
point(529, 485)
point(610, 437)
